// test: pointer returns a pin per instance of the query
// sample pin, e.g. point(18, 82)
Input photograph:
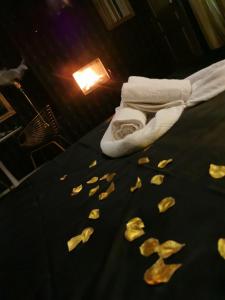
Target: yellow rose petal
point(149, 247)
point(108, 177)
point(109, 190)
point(143, 160)
point(86, 234)
point(76, 190)
point(221, 247)
point(135, 223)
point(74, 242)
point(93, 164)
point(217, 171)
point(103, 196)
point(133, 234)
point(163, 163)
point(160, 272)
point(134, 229)
point(157, 179)
point(63, 177)
point(83, 237)
point(137, 185)
point(165, 204)
point(94, 214)
point(93, 191)
point(168, 248)
point(92, 180)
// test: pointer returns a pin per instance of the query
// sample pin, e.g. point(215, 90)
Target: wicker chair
point(41, 132)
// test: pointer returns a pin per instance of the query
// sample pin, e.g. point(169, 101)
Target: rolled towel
point(151, 95)
point(154, 129)
point(126, 121)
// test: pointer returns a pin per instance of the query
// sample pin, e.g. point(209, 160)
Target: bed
point(40, 216)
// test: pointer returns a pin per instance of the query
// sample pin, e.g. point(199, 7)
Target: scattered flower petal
point(166, 203)
point(63, 177)
point(94, 214)
point(221, 247)
point(217, 171)
point(143, 160)
point(109, 190)
point(168, 248)
point(76, 190)
point(138, 185)
point(93, 191)
point(134, 229)
point(160, 272)
point(149, 247)
point(157, 179)
point(163, 163)
point(92, 180)
point(93, 164)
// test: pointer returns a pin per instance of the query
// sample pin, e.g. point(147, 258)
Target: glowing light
point(91, 75)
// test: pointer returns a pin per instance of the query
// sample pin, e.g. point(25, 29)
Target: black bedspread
point(38, 218)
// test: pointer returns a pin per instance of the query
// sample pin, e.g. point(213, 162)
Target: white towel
point(206, 83)
point(164, 119)
point(126, 121)
point(150, 95)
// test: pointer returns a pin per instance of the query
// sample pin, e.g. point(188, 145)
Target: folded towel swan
point(168, 106)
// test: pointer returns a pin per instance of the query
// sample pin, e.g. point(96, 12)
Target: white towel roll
point(126, 121)
point(154, 129)
point(151, 95)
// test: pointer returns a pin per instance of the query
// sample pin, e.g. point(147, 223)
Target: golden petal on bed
point(108, 177)
point(133, 234)
point(92, 180)
point(93, 164)
point(217, 171)
point(135, 223)
point(166, 203)
point(103, 196)
point(160, 272)
point(63, 177)
point(109, 190)
point(76, 190)
point(143, 160)
point(137, 185)
point(86, 234)
point(104, 177)
point(134, 229)
point(163, 163)
point(168, 248)
point(93, 191)
point(157, 179)
point(221, 247)
point(149, 247)
point(94, 214)
point(74, 242)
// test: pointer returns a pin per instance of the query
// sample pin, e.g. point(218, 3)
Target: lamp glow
point(90, 76)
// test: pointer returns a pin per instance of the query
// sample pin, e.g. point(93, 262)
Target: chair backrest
point(41, 129)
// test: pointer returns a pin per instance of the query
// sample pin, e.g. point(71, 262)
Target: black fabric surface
point(40, 216)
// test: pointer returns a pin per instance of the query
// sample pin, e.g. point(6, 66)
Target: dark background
point(162, 40)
